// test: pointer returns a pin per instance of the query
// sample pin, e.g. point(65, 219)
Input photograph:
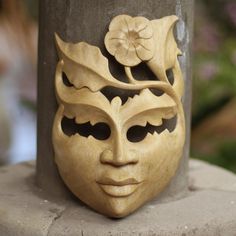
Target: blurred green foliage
point(214, 77)
point(224, 155)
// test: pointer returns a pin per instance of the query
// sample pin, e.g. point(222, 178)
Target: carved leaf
point(166, 52)
point(91, 108)
point(147, 107)
point(84, 65)
point(95, 107)
point(81, 103)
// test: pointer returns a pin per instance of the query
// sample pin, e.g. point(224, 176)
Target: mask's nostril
point(106, 156)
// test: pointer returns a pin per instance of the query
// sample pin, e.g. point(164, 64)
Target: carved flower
point(130, 40)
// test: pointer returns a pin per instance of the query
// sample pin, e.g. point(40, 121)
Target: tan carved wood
point(119, 155)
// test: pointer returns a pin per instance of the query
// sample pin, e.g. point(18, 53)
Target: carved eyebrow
point(154, 117)
point(148, 108)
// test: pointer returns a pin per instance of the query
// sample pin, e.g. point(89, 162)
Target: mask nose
point(119, 156)
point(114, 159)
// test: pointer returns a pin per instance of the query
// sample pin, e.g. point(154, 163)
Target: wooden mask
point(117, 154)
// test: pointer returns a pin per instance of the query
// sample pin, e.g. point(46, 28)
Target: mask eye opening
point(100, 131)
point(138, 133)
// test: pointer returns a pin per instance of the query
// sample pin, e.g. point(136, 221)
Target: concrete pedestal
point(208, 210)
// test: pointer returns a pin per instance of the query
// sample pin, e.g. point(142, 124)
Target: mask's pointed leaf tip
point(58, 40)
point(116, 103)
point(174, 18)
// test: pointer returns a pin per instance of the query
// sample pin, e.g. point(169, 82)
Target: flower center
point(132, 36)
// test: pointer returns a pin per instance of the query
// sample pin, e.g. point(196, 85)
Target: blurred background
point(214, 81)
point(18, 58)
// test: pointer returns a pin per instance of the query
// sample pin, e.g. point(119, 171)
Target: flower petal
point(113, 40)
point(127, 56)
point(145, 49)
point(130, 24)
point(130, 39)
point(120, 23)
point(140, 23)
point(147, 32)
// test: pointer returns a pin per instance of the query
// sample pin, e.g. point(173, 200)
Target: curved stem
point(160, 74)
point(129, 75)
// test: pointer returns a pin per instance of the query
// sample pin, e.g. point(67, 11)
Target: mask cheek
point(76, 157)
point(76, 153)
point(161, 160)
point(60, 141)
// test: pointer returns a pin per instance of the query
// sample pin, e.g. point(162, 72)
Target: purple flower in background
point(208, 70)
point(231, 11)
point(211, 36)
point(208, 37)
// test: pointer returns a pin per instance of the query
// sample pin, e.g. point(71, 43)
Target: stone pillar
point(87, 20)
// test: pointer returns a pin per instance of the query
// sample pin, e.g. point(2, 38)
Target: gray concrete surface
point(209, 209)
